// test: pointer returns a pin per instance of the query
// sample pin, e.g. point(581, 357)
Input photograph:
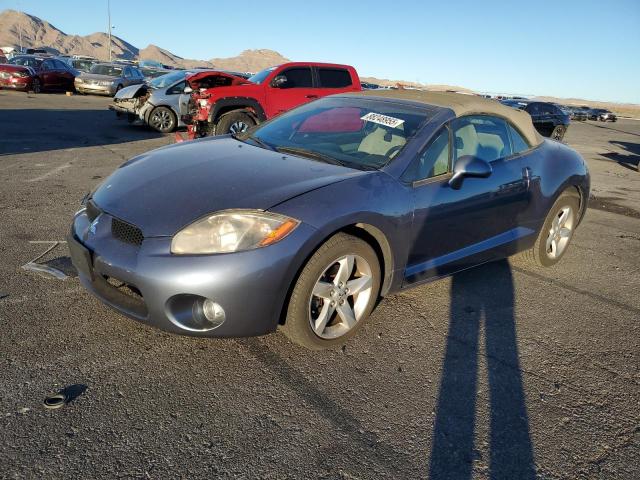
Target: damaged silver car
point(162, 102)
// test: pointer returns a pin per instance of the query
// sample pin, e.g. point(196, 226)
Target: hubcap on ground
point(340, 296)
point(161, 119)
point(560, 232)
point(238, 127)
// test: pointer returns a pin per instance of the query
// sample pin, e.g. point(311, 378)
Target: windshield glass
point(260, 77)
point(168, 79)
point(356, 132)
point(107, 70)
point(83, 65)
point(26, 61)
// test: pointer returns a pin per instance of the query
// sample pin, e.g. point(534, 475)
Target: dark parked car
point(575, 113)
point(602, 114)
point(306, 220)
point(31, 72)
point(80, 64)
point(548, 118)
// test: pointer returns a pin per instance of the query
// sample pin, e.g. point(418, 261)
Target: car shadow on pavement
point(39, 130)
point(630, 160)
point(482, 294)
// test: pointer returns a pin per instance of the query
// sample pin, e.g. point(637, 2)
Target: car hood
point(95, 76)
point(130, 91)
point(165, 190)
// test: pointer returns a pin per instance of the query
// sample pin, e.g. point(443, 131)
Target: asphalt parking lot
point(503, 371)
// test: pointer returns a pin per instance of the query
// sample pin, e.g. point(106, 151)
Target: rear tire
point(558, 133)
point(334, 294)
point(556, 232)
point(234, 122)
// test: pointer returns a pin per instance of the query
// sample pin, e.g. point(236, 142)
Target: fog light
point(213, 312)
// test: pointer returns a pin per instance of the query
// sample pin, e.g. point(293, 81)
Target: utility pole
point(20, 27)
point(109, 17)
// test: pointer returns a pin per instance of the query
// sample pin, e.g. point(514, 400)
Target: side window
point(138, 73)
point(433, 161)
point(299, 77)
point(46, 66)
point(334, 78)
point(127, 72)
point(177, 88)
point(482, 136)
point(60, 65)
point(533, 109)
point(518, 143)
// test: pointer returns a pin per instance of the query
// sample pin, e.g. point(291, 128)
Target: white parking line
point(50, 173)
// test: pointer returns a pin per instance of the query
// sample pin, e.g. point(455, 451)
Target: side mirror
point(469, 166)
point(279, 81)
point(188, 90)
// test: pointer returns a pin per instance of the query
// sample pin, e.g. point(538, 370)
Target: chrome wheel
point(560, 233)
point(340, 296)
point(238, 127)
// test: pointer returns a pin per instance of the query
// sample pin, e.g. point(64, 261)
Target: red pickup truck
point(268, 93)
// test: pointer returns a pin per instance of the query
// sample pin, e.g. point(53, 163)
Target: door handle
point(526, 177)
point(311, 96)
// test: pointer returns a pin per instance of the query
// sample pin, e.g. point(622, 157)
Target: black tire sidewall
point(297, 326)
point(36, 81)
point(566, 199)
point(224, 123)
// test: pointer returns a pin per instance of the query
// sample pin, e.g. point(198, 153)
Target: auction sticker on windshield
point(382, 119)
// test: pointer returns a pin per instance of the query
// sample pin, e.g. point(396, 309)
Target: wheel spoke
point(323, 318)
point(357, 285)
point(564, 232)
point(344, 272)
point(346, 314)
point(323, 290)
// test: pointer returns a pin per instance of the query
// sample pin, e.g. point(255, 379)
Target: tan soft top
point(462, 104)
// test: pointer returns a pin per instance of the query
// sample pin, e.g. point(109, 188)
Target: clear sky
point(569, 48)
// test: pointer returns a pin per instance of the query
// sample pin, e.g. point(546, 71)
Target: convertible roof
point(462, 104)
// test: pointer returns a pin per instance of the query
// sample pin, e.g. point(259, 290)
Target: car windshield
point(355, 132)
point(83, 65)
point(108, 70)
point(26, 61)
point(168, 79)
point(260, 77)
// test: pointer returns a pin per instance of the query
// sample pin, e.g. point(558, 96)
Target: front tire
point(556, 232)
point(234, 122)
point(163, 120)
point(36, 86)
point(334, 294)
point(558, 133)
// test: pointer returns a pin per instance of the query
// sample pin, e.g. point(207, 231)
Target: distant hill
point(38, 33)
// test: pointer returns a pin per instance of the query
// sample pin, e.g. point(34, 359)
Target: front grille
point(126, 232)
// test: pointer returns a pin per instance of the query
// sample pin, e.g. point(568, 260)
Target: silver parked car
point(162, 102)
point(108, 78)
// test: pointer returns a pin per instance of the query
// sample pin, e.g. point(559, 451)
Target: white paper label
point(382, 119)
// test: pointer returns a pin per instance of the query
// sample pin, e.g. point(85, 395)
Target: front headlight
point(79, 80)
point(232, 231)
point(202, 103)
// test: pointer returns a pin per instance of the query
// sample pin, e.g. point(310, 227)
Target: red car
point(268, 93)
point(32, 73)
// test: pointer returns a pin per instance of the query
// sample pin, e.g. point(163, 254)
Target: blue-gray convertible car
point(304, 222)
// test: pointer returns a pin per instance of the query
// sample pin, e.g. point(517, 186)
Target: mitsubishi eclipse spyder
point(306, 221)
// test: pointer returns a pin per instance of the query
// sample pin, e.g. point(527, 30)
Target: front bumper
point(95, 89)
point(251, 286)
point(16, 83)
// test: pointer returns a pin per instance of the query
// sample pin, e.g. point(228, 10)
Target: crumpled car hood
point(165, 190)
point(130, 91)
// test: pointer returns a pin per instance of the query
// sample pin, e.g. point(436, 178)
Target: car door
point(48, 75)
point(289, 88)
point(457, 228)
point(64, 74)
point(332, 80)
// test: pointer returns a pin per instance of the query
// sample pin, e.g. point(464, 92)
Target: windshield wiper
point(240, 137)
point(303, 152)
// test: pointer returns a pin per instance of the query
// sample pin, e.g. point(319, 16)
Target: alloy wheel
point(161, 120)
point(340, 296)
point(238, 127)
point(560, 233)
